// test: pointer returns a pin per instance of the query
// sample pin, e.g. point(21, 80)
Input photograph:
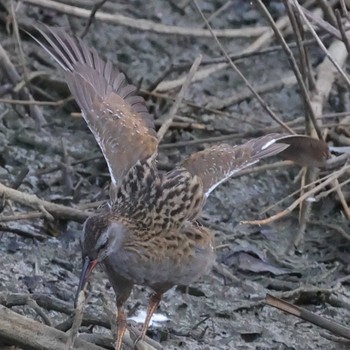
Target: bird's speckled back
point(158, 202)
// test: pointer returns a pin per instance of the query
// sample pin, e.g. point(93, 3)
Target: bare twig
point(12, 74)
point(321, 23)
point(221, 9)
point(320, 43)
point(342, 30)
point(327, 9)
point(292, 63)
point(336, 228)
point(236, 69)
point(344, 9)
point(57, 210)
point(20, 331)
point(23, 233)
point(95, 8)
point(244, 94)
point(307, 194)
point(263, 39)
point(58, 103)
point(77, 320)
point(163, 129)
point(342, 198)
point(309, 316)
point(145, 25)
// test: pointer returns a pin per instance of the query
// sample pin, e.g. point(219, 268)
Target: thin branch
point(145, 25)
point(20, 331)
point(309, 316)
point(30, 200)
point(166, 124)
point(236, 69)
point(320, 43)
point(95, 8)
point(293, 64)
point(342, 30)
point(296, 203)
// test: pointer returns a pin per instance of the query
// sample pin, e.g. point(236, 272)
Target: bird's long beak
point(88, 266)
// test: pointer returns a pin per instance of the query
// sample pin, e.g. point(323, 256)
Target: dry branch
point(320, 43)
point(167, 122)
point(20, 331)
point(145, 25)
point(264, 39)
point(292, 63)
point(309, 316)
point(306, 195)
point(242, 76)
point(326, 75)
point(57, 210)
point(10, 71)
point(244, 94)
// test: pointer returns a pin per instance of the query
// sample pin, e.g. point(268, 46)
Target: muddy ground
point(217, 312)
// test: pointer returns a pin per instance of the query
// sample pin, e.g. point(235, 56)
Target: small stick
point(336, 228)
point(320, 43)
point(244, 94)
point(309, 185)
point(145, 25)
point(166, 124)
point(23, 233)
point(58, 103)
point(26, 333)
point(293, 64)
point(95, 8)
point(247, 53)
point(236, 69)
point(328, 12)
point(222, 8)
point(337, 188)
point(308, 316)
point(67, 171)
point(77, 320)
point(51, 209)
point(321, 23)
point(344, 9)
point(10, 71)
point(342, 30)
point(286, 211)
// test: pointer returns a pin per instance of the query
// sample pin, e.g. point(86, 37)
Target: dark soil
point(216, 312)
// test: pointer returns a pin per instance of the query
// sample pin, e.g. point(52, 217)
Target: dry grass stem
point(142, 24)
point(167, 122)
point(241, 75)
point(320, 43)
point(296, 203)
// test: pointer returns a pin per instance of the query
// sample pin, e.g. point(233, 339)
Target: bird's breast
point(167, 258)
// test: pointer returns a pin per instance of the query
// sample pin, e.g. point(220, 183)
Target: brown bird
point(148, 235)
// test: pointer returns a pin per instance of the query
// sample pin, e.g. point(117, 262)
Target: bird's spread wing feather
point(216, 164)
point(304, 150)
point(117, 117)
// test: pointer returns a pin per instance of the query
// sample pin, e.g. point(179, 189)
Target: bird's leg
point(153, 304)
point(121, 324)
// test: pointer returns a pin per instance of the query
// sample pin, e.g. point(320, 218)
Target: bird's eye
point(103, 246)
point(102, 242)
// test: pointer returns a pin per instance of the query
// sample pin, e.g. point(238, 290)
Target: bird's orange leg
point(153, 304)
point(121, 324)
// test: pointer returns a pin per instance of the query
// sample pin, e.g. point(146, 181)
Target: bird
point(149, 233)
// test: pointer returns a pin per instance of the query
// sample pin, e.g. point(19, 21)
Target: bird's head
point(101, 238)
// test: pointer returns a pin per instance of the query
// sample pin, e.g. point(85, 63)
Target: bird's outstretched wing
point(117, 117)
point(216, 164)
point(304, 150)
